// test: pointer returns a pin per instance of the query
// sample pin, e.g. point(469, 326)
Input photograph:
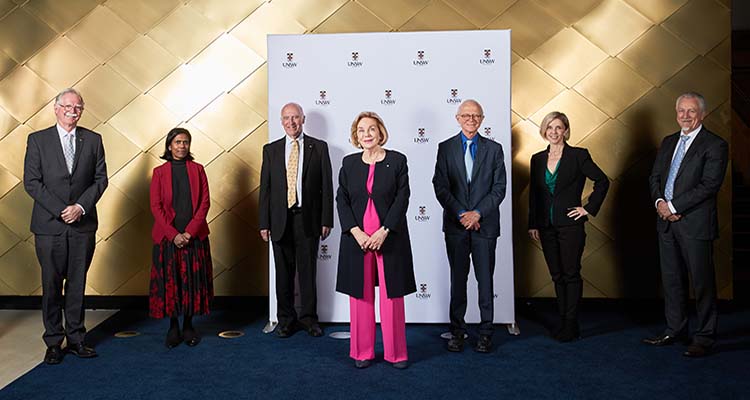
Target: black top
point(181, 200)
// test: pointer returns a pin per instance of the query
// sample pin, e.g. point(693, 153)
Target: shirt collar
point(300, 138)
point(62, 132)
point(692, 133)
point(464, 139)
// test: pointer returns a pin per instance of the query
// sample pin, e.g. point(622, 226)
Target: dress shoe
point(401, 365)
point(361, 364)
point(285, 331)
point(54, 355)
point(695, 350)
point(315, 330)
point(570, 332)
point(662, 340)
point(80, 350)
point(173, 338)
point(191, 338)
point(484, 344)
point(456, 343)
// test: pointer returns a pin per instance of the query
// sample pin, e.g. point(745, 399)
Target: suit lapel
point(306, 156)
point(280, 149)
point(79, 147)
point(565, 169)
point(669, 147)
point(692, 151)
point(54, 138)
point(479, 156)
point(458, 158)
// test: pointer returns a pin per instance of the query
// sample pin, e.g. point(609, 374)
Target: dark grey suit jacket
point(487, 189)
point(697, 184)
point(46, 179)
point(317, 188)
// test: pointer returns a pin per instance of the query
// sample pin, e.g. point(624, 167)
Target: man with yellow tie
point(296, 211)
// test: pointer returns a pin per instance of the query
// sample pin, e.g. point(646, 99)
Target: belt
point(295, 210)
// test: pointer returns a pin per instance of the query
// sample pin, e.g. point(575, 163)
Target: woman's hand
point(534, 234)
point(180, 240)
point(577, 212)
point(360, 236)
point(377, 239)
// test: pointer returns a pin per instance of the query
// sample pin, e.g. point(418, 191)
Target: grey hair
point(66, 91)
point(693, 95)
point(293, 104)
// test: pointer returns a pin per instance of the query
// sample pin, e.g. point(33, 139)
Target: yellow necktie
point(291, 174)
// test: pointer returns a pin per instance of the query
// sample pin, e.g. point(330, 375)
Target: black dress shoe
point(361, 364)
point(662, 340)
point(484, 345)
point(173, 338)
point(569, 332)
point(695, 350)
point(315, 330)
point(80, 350)
point(285, 331)
point(54, 355)
point(456, 343)
point(191, 338)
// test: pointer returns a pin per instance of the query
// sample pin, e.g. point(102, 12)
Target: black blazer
point(487, 189)
point(317, 188)
point(390, 193)
point(575, 166)
point(46, 179)
point(697, 184)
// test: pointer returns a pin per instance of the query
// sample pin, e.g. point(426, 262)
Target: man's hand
point(71, 213)
point(674, 217)
point(324, 232)
point(662, 208)
point(470, 220)
point(265, 234)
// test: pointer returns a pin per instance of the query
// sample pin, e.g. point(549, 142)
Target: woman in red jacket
point(181, 272)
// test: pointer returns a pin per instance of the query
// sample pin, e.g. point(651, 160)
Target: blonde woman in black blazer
point(556, 214)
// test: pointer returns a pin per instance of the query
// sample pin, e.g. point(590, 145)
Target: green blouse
point(550, 178)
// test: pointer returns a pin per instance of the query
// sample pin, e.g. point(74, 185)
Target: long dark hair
point(170, 137)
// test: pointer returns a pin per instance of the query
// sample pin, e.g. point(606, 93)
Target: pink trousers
point(362, 314)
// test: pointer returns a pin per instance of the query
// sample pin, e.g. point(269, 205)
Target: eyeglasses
point(467, 117)
point(70, 107)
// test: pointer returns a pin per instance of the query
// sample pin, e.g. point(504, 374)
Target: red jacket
point(161, 202)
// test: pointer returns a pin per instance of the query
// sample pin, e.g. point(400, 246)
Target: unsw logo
point(420, 61)
point(423, 294)
point(422, 215)
point(323, 254)
point(488, 133)
point(487, 60)
point(354, 62)
point(290, 63)
point(323, 99)
point(421, 136)
point(388, 100)
point(454, 99)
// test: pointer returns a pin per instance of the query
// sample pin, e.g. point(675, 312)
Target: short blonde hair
point(381, 127)
point(555, 115)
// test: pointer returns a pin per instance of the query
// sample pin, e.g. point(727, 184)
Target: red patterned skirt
point(181, 279)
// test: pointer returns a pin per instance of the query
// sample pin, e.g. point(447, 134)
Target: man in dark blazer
point(65, 173)
point(687, 174)
point(296, 211)
point(469, 183)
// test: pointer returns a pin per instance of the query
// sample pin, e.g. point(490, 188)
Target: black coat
point(390, 193)
point(317, 188)
point(697, 184)
point(46, 179)
point(575, 166)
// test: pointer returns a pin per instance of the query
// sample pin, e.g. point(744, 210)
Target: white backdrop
point(415, 82)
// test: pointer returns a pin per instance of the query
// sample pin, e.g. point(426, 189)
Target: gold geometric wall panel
point(145, 66)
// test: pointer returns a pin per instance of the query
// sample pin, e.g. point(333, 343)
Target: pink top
point(371, 221)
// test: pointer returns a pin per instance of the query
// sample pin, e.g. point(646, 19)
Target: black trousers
point(482, 251)
point(680, 256)
point(65, 260)
point(563, 249)
point(296, 254)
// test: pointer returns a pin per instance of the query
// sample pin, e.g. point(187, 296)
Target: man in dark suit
point(296, 211)
point(684, 182)
point(65, 173)
point(469, 183)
